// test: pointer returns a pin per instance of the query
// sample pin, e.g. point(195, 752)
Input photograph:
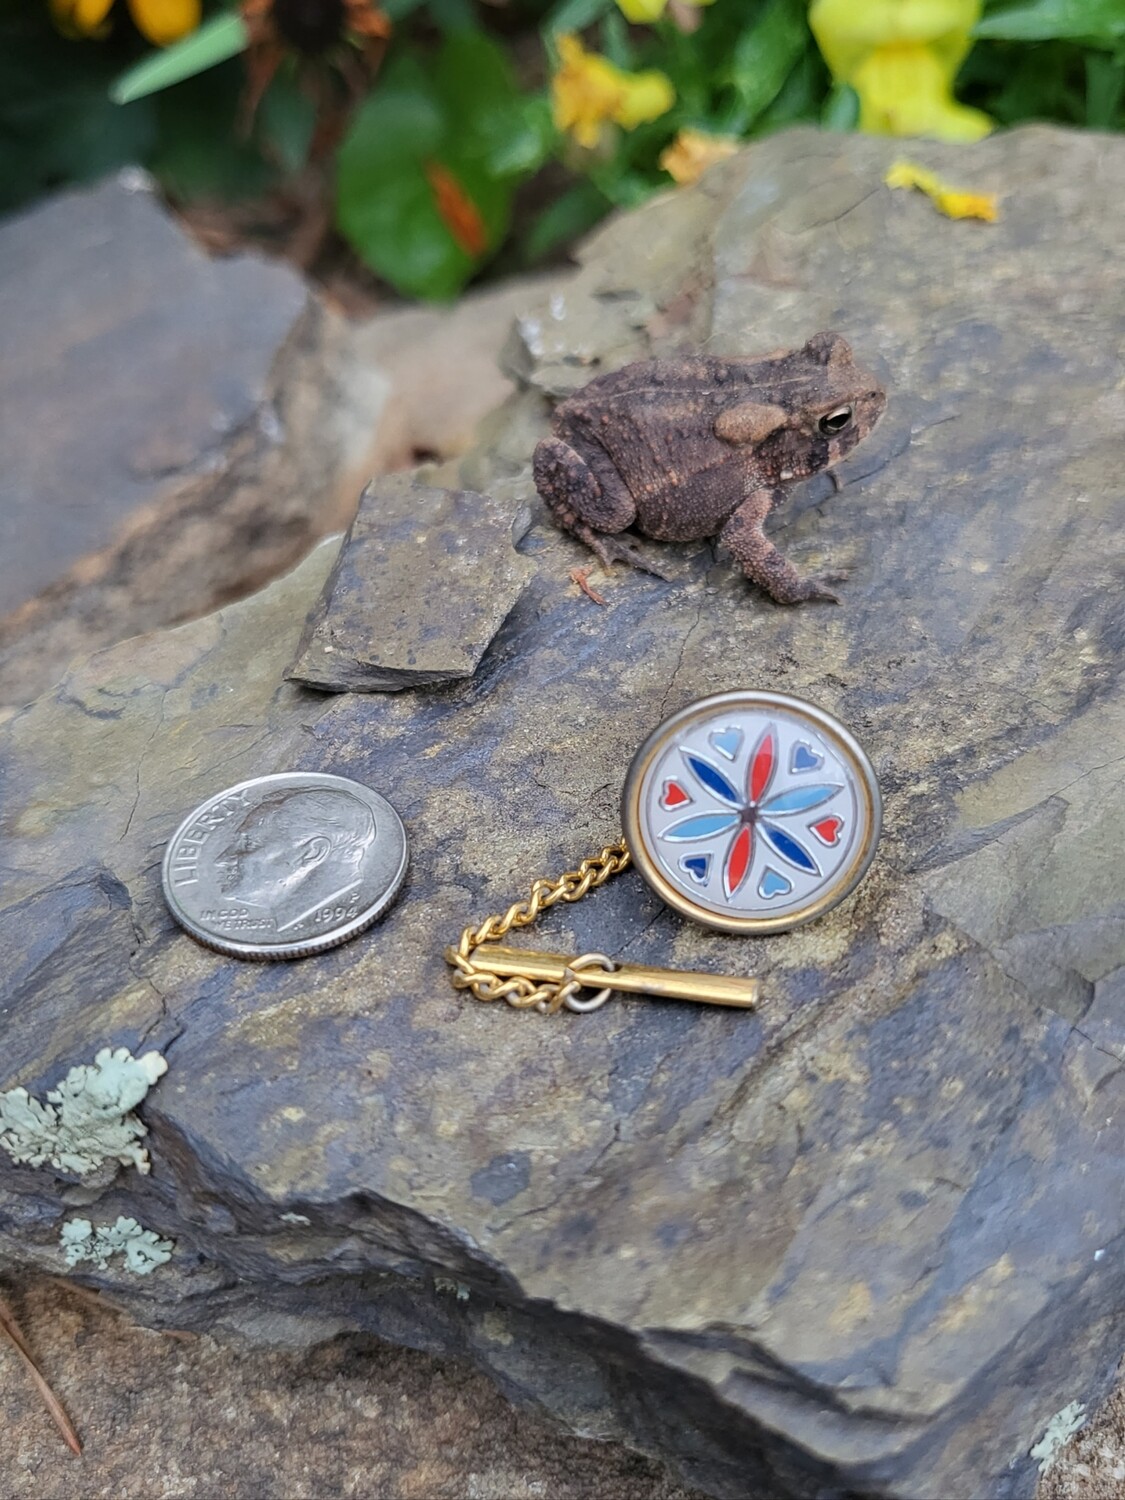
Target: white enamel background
point(834, 862)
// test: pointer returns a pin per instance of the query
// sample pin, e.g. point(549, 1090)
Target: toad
point(701, 446)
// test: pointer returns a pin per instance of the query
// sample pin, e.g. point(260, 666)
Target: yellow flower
point(901, 57)
point(588, 90)
point(641, 12)
point(161, 21)
point(644, 12)
point(692, 152)
point(951, 202)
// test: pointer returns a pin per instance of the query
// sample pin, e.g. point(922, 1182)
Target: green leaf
point(841, 108)
point(215, 41)
point(564, 221)
point(623, 187)
point(574, 15)
point(616, 44)
point(1049, 20)
point(528, 144)
point(800, 95)
point(416, 132)
point(765, 55)
point(1105, 88)
point(478, 95)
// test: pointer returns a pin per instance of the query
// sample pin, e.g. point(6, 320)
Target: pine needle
point(9, 1325)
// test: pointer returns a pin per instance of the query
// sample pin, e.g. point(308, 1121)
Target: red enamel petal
point(828, 830)
point(762, 764)
point(738, 861)
point(674, 795)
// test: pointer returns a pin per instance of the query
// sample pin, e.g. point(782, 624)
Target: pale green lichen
point(455, 1288)
point(1060, 1429)
point(88, 1118)
point(143, 1249)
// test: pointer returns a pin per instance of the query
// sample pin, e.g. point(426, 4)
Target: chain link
point(519, 991)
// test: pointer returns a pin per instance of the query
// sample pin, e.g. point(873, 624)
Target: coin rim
point(844, 742)
point(307, 946)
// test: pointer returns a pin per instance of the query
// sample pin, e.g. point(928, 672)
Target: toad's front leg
point(589, 499)
point(761, 561)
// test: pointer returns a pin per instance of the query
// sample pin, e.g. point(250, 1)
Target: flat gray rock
point(176, 428)
point(861, 1242)
point(128, 355)
point(423, 581)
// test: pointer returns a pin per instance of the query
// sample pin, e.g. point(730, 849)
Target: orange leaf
point(458, 211)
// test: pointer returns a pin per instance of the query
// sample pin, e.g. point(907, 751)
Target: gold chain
point(520, 991)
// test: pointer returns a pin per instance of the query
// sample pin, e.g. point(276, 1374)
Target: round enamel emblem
point(751, 812)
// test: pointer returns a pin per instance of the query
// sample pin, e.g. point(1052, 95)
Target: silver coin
point(285, 866)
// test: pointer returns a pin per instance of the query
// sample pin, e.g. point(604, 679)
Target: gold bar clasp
point(604, 975)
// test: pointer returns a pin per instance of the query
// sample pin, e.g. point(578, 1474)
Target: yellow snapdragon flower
point(160, 21)
point(901, 57)
point(587, 91)
point(693, 151)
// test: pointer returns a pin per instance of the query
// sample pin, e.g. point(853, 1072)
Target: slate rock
point(422, 583)
point(176, 429)
point(860, 1243)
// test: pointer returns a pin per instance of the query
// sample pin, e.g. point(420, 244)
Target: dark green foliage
point(57, 124)
point(426, 176)
point(459, 117)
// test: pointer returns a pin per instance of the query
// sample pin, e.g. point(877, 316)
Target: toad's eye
point(835, 421)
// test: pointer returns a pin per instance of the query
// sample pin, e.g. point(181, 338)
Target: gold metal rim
point(867, 791)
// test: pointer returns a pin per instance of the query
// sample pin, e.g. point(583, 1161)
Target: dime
point(751, 811)
point(285, 866)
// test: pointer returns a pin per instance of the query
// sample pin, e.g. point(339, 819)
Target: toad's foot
point(761, 561)
point(816, 588)
point(610, 549)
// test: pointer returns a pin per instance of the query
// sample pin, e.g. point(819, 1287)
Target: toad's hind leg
point(592, 505)
point(760, 559)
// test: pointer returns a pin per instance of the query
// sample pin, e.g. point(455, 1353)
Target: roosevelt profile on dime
point(296, 851)
point(285, 865)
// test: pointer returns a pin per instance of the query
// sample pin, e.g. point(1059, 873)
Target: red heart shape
point(828, 830)
point(674, 795)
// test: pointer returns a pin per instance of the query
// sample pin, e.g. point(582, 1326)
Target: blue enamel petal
point(800, 799)
point(711, 778)
point(788, 848)
point(704, 826)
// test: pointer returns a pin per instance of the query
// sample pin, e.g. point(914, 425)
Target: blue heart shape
point(773, 884)
point(805, 758)
point(727, 742)
point(696, 865)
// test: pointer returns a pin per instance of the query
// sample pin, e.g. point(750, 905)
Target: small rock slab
point(423, 582)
